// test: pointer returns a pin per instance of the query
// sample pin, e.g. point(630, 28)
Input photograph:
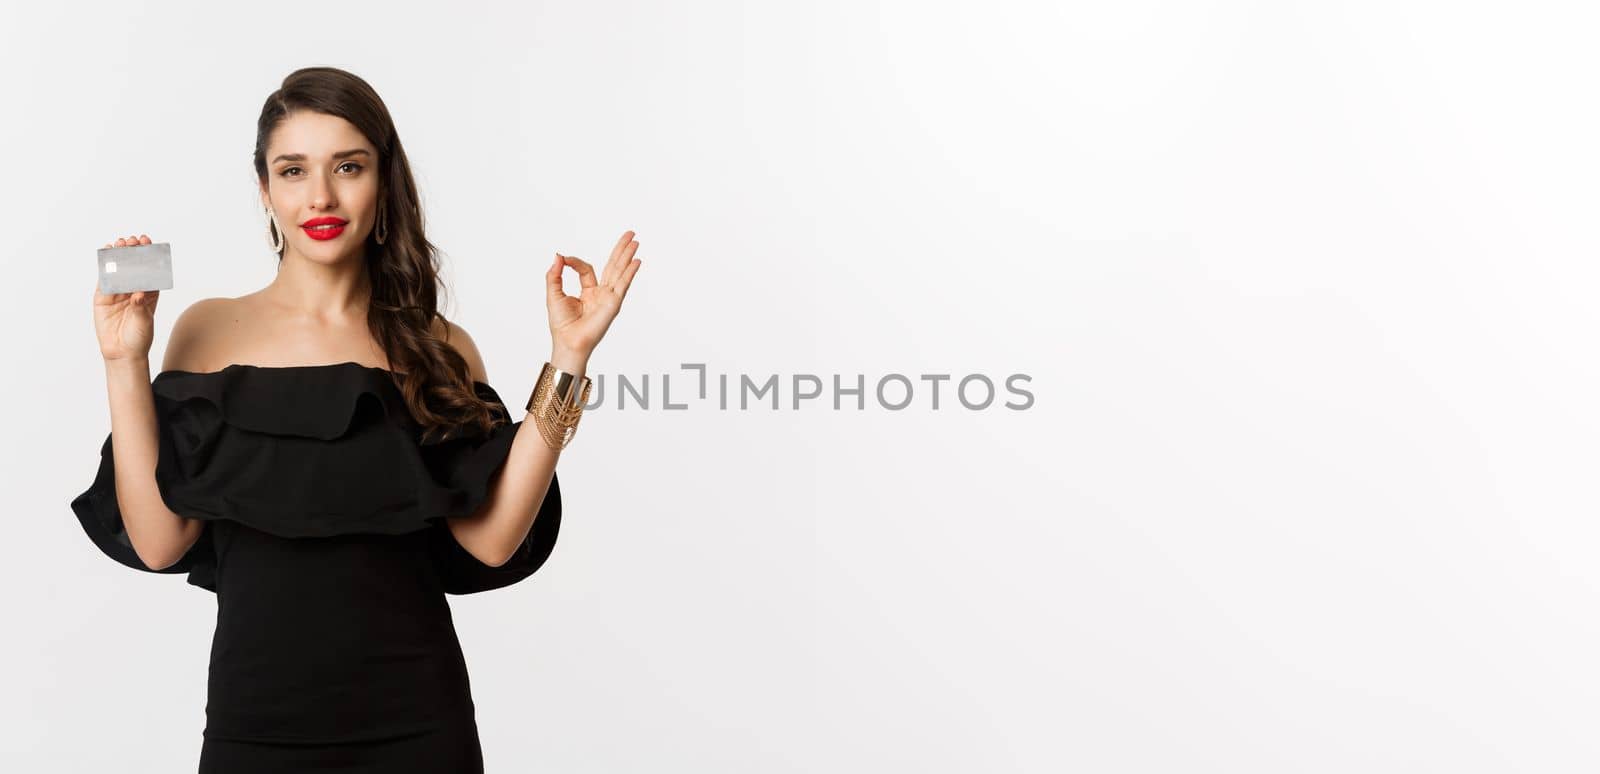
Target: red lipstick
point(324, 228)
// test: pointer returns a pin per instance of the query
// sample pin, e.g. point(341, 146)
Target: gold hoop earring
point(276, 234)
point(381, 231)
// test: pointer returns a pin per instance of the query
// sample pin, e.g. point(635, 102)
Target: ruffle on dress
point(316, 451)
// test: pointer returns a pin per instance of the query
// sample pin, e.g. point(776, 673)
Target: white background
point(1305, 291)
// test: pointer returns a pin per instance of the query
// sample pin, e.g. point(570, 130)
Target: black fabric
point(314, 451)
point(327, 544)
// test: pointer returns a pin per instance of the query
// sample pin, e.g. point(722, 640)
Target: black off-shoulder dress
point(327, 547)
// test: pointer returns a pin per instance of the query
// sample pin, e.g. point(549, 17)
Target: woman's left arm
point(577, 324)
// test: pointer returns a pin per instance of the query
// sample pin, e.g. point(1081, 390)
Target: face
point(322, 168)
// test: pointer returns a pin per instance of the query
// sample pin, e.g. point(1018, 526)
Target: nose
point(322, 194)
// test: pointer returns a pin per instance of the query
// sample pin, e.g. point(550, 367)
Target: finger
point(623, 262)
point(552, 280)
point(622, 242)
point(618, 262)
point(614, 263)
point(105, 299)
point(585, 271)
point(144, 239)
point(122, 241)
point(627, 278)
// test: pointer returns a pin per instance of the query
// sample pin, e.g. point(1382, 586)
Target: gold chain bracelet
point(557, 404)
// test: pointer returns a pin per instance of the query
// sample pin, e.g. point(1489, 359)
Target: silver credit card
point(136, 267)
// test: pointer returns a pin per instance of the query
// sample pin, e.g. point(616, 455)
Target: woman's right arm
point(158, 535)
point(125, 325)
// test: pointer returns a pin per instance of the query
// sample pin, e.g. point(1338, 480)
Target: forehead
point(317, 135)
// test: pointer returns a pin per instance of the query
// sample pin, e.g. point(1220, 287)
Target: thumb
point(552, 280)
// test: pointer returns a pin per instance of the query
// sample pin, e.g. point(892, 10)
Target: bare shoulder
point(457, 336)
point(190, 342)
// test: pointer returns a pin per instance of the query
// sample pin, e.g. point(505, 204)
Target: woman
point(327, 456)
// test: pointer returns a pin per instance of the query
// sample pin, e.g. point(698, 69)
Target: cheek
point(362, 198)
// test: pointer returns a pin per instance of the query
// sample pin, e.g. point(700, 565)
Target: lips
point(325, 227)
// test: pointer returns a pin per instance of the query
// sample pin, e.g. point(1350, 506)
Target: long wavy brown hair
point(404, 271)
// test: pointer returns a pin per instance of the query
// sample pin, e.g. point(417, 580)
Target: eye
point(286, 170)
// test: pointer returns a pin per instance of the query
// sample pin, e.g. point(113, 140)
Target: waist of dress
point(344, 638)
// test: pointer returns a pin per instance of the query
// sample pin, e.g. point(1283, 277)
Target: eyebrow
point(339, 155)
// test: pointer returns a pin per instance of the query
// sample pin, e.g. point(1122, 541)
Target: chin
point(332, 252)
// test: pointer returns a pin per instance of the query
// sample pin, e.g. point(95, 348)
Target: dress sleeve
point(101, 516)
point(463, 573)
point(467, 468)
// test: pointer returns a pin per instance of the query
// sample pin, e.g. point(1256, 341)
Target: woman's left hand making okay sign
point(578, 324)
